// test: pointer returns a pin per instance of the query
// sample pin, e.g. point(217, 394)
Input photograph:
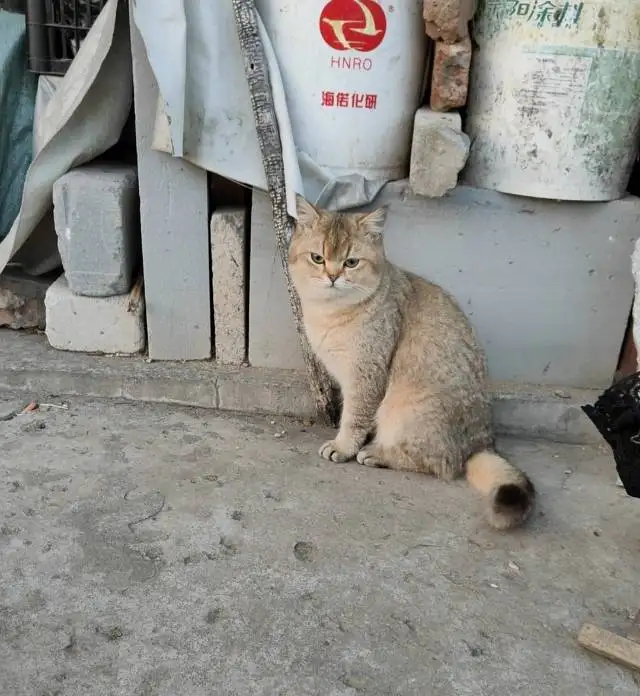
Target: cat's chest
point(335, 344)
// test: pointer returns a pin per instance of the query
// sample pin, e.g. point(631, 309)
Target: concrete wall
point(547, 284)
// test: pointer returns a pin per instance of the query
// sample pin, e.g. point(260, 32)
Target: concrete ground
point(152, 550)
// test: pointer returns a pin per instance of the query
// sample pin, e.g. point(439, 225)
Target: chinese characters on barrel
point(353, 100)
point(538, 12)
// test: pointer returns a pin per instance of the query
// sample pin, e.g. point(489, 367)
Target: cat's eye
point(316, 258)
point(351, 263)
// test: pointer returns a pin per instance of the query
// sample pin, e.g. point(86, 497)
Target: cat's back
point(430, 307)
point(436, 333)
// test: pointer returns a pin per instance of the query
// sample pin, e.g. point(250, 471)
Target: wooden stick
point(621, 650)
point(136, 295)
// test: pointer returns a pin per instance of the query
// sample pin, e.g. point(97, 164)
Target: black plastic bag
point(616, 415)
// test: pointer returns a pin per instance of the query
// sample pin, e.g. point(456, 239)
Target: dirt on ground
point(162, 551)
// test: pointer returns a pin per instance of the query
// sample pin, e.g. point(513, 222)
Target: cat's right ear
point(373, 223)
point(308, 215)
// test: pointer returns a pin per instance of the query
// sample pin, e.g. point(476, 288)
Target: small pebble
point(114, 633)
point(356, 680)
point(213, 615)
point(304, 551)
point(33, 426)
point(562, 394)
point(228, 544)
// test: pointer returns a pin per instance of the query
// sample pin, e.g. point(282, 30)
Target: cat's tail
point(510, 493)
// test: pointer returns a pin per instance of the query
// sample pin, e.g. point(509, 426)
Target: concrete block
point(22, 300)
point(439, 151)
point(96, 214)
point(228, 241)
point(284, 392)
point(450, 75)
point(94, 324)
point(174, 226)
point(28, 364)
point(273, 339)
point(547, 284)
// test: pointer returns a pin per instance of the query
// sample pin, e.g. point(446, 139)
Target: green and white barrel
point(554, 103)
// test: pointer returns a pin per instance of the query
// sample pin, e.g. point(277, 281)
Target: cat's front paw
point(371, 456)
point(334, 453)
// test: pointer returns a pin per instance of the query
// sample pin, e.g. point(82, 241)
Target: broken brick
point(450, 76)
point(448, 20)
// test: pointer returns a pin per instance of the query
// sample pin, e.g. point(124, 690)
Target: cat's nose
point(333, 277)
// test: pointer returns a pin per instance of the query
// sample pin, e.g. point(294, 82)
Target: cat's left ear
point(373, 223)
point(308, 214)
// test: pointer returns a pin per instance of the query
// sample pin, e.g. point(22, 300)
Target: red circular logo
point(353, 25)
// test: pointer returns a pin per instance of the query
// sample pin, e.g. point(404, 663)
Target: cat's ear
point(373, 223)
point(308, 215)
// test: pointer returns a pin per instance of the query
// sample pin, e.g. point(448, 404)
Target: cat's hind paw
point(333, 453)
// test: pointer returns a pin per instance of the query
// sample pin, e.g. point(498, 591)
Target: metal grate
point(55, 30)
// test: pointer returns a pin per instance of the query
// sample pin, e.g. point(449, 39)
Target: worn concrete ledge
point(29, 364)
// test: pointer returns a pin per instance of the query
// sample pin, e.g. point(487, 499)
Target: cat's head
point(336, 257)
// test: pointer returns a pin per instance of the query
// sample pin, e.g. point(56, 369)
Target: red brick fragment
point(450, 77)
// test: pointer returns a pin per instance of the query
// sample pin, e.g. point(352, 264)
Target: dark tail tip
point(512, 504)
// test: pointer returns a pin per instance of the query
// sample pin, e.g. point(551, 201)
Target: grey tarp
point(17, 100)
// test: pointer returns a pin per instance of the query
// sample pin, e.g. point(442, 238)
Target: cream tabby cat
point(411, 372)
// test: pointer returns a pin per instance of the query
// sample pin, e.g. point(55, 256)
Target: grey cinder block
point(96, 215)
point(228, 276)
point(94, 324)
point(273, 339)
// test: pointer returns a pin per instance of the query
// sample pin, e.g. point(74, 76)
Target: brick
point(439, 150)
point(94, 324)
point(450, 76)
point(228, 241)
point(22, 300)
point(448, 20)
point(96, 215)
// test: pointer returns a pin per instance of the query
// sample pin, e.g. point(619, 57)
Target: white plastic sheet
point(205, 113)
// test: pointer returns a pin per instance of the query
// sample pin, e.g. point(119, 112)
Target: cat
point(410, 369)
